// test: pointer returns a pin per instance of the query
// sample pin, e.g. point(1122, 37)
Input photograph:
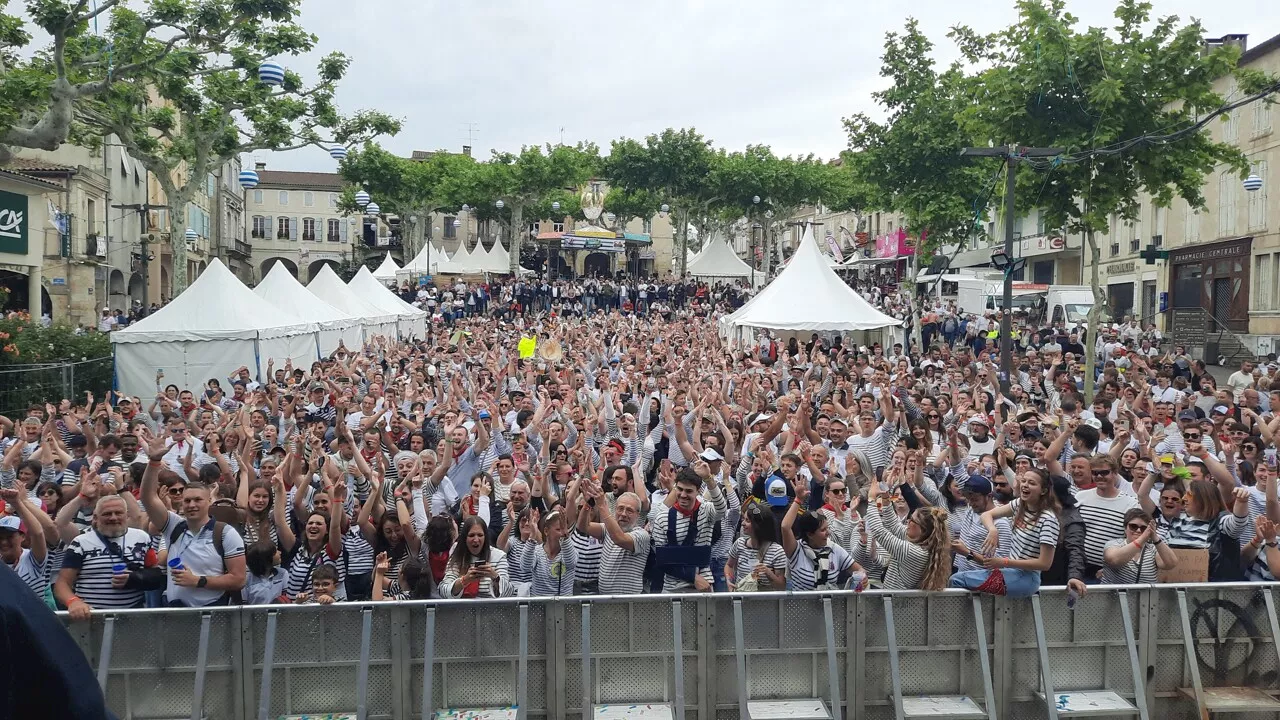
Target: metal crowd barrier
point(1163, 651)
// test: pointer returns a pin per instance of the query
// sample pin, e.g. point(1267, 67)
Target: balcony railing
point(309, 237)
point(242, 248)
point(333, 237)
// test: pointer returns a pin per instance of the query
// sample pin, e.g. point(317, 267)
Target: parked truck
point(1046, 304)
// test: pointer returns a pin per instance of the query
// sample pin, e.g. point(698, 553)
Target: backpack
point(218, 528)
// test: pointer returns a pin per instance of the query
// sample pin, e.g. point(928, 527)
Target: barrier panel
point(1167, 652)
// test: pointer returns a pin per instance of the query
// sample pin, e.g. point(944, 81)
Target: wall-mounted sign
point(1120, 268)
point(57, 281)
point(15, 219)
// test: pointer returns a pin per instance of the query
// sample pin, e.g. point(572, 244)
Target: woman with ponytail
point(916, 555)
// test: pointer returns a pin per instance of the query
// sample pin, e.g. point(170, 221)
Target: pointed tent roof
point(461, 262)
point(217, 306)
point(282, 289)
point(387, 270)
point(808, 295)
point(717, 259)
point(371, 289)
point(329, 287)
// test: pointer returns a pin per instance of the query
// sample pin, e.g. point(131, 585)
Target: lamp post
point(755, 228)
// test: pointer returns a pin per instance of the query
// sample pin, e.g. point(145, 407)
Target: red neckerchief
point(827, 506)
point(1087, 486)
point(691, 513)
point(439, 563)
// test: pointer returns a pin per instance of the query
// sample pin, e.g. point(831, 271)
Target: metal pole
point(1006, 315)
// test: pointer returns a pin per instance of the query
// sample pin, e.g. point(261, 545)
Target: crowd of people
point(561, 450)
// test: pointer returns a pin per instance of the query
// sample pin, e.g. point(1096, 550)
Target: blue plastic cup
point(119, 569)
point(175, 563)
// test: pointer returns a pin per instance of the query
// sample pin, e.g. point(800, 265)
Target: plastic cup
point(119, 569)
point(175, 563)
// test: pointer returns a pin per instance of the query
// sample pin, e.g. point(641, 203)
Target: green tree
point(1090, 91)
point(911, 162)
point(673, 166)
point(190, 112)
point(403, 187)
point(40, 90)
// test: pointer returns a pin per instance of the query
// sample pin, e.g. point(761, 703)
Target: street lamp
point(555, 206)
point(1253, 183)
point(755, 199)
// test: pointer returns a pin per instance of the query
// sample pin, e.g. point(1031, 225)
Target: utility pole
point(144, 238)
point(1004, 260)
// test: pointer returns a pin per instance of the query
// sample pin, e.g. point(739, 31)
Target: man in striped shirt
point(31, 565)
point(683, 530)
point(88, 580)
point(626, 546)
point(1102, 508)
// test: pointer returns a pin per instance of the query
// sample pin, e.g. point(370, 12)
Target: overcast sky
point(776, 72)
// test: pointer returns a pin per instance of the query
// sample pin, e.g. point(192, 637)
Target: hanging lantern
point(457, 222)
point(499, 204)
point(271, 72)
point(556, 206)
point(372, 209)
point(338, 152)
point(191, 235)
point(665, 208)
point(1253, 183)
point(362, 198)
point(465, 207)
point(248, 179)
point(755, 199)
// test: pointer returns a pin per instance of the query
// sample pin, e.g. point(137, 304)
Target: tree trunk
point(1091, 331)
point(682, 232)
point(517, 236)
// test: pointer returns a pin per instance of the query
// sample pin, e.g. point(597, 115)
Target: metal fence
point(1144, 651)
point(22, 386)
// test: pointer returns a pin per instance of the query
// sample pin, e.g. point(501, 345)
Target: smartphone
point(1270, 453)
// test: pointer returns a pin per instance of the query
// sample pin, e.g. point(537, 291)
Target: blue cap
point(978, 485)
point(775, 492)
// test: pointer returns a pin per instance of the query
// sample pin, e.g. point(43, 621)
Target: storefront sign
point(14, 223)
point(1236, 249)
point(57, 281)
point(1120, 268)
point(1043, 245)
point(1188, 326)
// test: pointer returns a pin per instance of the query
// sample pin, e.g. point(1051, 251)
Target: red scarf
point(690, 513)
point(439, 562)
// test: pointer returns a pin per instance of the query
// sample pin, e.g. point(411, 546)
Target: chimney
point(1240, 40)
point(260, 166)
point(466, 150)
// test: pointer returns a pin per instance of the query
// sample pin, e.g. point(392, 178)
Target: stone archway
point(269, 263)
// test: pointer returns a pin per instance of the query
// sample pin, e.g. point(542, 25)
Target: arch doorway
point(596, 265)
point(17, 294)
point(269, 263)
point(135, 288)
point(116, 295)
point(314, 268)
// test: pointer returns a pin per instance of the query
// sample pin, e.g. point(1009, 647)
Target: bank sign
point(14, 221)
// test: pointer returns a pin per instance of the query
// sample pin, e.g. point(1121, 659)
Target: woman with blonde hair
point(916, 555)
point(1035, 539)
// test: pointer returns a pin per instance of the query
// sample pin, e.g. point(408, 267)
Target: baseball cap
point(711, 455)
point(1094, 423)
point(1221, 409)
point(978, 485)
point(1166, 459)
point(762, 417)
point(1188, 415)
point(775, 491)
point(13, 524)
point(978, 420)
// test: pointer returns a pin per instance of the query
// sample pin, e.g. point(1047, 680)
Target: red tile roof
point(300, 180)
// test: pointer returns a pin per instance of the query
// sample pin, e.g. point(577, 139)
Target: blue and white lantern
point(338, 152)
point(362, 198)
point(457, 222)
point(271, 73)
point(372, 209)
point(499, 204)
point(1253, 183)
point(665, 208)
point(191, 235)
point(555, 206)
point(248, 179)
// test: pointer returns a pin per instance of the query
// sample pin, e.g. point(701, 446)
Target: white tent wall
point(350, 337)
point(302, 350)
point(188, 364)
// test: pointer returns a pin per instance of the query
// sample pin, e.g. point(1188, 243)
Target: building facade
point(293, 217)
point(23, 217)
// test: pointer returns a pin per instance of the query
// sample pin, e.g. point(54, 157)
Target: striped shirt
point(588, 550)
point(484, 587)
point(728, 523)
point(359, 552)
point(1103, 521)
point(1141, 569)
point(622, 571)
point(552, 576)
point(34, 574)
point(93, 555)
point(303, 563)
point(1036, 529)
point(706, 514)
point(745, 558)
point(877, 445)
point(804, 562)
point(1188, 532)
point(966, 526)
point(907, 560)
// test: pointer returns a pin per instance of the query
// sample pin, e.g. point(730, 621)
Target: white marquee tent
point(807, 296)
point(282, 289)
point(422, 263)
point(411, 320)
point(718, 260)
point(210, 330)
point(327, 286)
point(387, 270)
point(462, 263)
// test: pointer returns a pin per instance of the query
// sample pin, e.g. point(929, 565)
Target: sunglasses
point(837, 491)
point(935, 417)
point(1189, 436)
point(176, 490)
point(1101, 473)
point(1171, 498)
point(1137, 527)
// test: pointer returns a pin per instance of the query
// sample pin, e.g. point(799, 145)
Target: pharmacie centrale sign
point(14, 220)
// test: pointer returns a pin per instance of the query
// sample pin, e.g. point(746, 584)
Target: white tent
point(387, 270)
point(462, 263)
point(210, 330)
point(422, 263)
point(412, 321)
point(718, 260)
point(807, 296)
point(327, 286)
point(282, 289)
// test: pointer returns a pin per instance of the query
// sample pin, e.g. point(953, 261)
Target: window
point(91, 214)
point(284, 198)
point(333, 199)
point(1263, 279)
point(1258, 198)
point(282, 228)
point(308, 199)
point(332, 231)
point(1158, 217)
point(557, 227)
point(257, 197)
point(309, 229)
point(1227, 183)
point(1115, 249)
point(1042, 222)
point(449, 230)
point(211, 185)
point(1261, 118)
point(1190, 224)
point(124, 171)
